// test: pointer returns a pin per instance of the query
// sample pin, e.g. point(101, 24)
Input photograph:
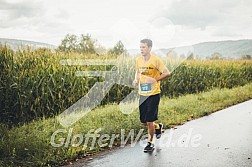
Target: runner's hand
point(135, 83)
point(150, 80)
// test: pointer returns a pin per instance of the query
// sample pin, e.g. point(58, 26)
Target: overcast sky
point(168, 23)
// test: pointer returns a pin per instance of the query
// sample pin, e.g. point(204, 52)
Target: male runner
point(150, 70)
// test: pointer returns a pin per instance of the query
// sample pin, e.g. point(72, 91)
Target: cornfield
point(33, 83)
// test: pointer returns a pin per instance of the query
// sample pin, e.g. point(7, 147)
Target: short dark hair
point(147, 41)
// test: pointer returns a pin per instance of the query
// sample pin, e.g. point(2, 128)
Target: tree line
point(87, 45)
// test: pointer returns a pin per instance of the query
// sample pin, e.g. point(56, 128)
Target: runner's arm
point(137, 76)
point(164, 75)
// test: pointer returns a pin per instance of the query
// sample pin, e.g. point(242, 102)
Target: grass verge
point(30, 145)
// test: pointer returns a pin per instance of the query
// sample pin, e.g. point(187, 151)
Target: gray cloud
point(199, 13)
point(227, 33)
point(29, 14)
point(20, 14)
point(27, 8)
point(52, 19)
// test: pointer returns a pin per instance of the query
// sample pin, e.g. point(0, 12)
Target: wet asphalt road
point(221, 139)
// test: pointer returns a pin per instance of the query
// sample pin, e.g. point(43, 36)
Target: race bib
point(145, 88)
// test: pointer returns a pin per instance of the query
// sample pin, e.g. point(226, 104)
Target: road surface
point(221, 139)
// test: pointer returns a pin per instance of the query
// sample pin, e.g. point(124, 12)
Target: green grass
point(29, 144)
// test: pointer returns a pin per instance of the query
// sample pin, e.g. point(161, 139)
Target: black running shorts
point(148, 107)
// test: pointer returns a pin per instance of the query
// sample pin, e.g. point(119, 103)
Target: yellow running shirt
point(152, 68)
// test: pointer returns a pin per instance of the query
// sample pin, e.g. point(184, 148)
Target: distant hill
point(15, 44)
point(228, 49)
point(231, 49)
